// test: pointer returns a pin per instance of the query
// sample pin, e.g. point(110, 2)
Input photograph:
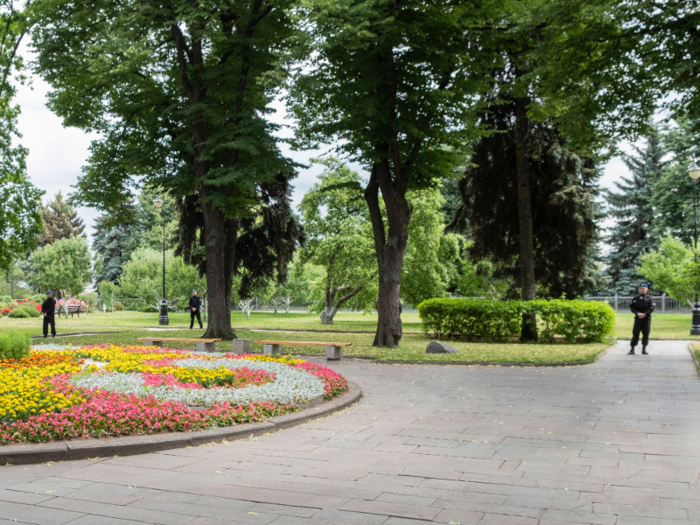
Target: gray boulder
point(438, 347)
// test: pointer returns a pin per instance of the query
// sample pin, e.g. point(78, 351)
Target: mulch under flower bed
point(108, 391)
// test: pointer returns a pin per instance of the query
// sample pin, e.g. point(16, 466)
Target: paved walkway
point(617, 443)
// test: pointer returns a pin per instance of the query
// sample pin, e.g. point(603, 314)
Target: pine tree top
point(60, 221)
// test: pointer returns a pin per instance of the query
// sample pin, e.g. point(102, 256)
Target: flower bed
point(112, 391)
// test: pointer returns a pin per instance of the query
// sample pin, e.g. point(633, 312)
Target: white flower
point(291, 385)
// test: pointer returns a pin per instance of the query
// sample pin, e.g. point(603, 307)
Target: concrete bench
point(203, 345)
point(334, 351)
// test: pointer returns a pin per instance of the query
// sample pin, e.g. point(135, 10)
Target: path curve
point(617, 443)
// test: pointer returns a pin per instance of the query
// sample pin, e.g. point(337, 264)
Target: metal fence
point(664, 303)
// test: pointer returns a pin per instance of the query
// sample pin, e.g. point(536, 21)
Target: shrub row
point(575, 321)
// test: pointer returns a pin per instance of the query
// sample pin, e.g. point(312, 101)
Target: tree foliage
point(395, 85)
point(179, 93)
point(633, 211)
point(673, 269)
point(564, 210)
point(20, 218)
point(63, 265)
point(60, 221)
point(111, 246)
point(672, 193)
point(341, 242)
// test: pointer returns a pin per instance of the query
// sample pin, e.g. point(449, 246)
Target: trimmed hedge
point(575, 321)
point(14, 345)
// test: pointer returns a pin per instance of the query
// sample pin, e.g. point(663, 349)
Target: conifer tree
point(60, 221)
point(672, 194)
point(111, 244)
point(633, 211)
point(563, 189)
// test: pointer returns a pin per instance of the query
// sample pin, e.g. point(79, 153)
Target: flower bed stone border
point(133, 445)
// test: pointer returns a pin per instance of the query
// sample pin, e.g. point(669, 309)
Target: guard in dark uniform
point(642, 307)
point(48, 307)
point(195, 307)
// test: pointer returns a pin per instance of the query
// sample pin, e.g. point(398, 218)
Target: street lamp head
point(694, 170)
point(158, 202)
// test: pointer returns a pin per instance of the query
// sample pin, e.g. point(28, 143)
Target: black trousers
point(199, 318)
point(641, 325)
point(49, 320)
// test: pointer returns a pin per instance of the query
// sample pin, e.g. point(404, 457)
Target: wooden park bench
point(203, 345)
point(333, 350)
point(72, 309)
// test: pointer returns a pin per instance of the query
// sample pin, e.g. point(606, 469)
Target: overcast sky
point(57, 154)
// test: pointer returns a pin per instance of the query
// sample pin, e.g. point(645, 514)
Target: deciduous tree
point(63, 265)
point(179, 92)
point(20, 218)
point(395, 84)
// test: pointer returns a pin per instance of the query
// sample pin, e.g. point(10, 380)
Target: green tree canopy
point(336, 217)
point(20, 218)
point(395, 85)
point(63, 265)
point(673, 269)
point(672, 193)
point(179, 93)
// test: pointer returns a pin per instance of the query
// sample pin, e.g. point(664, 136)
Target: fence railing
point(664, 303)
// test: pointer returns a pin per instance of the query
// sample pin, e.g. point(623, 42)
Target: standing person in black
point(48, 308)
point(641, 306)
point(195, 306)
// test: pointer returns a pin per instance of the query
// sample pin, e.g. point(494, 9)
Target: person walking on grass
point(195, 306)
point(642, 307)
point(48, 308)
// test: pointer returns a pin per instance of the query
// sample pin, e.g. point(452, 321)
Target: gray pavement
point(616, 443)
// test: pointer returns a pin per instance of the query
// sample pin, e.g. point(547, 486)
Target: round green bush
point(31, 311)
point(147, 309)
point(19, 313)
point(38, 298)
point(118, 306)
point(4, 299)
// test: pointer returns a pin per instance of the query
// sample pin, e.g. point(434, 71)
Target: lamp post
point(163, 320)
point(694, 172)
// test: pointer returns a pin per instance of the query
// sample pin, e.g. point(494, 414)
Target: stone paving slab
point(614, 443)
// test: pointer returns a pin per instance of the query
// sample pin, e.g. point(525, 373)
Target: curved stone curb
point(695, 359)
point(132, 445)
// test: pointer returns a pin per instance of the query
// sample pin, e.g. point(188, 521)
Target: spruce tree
point(563, 189)
point(633, 211)
point(111, 244)
point(60, 221)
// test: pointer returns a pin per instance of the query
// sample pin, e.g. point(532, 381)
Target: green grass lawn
point(663, 326)
point(412, 347)
point(128, 326)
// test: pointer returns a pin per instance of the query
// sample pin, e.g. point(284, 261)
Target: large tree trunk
point(527, 243)
point(219, 274)
point(328, 314)
point(390, 249)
